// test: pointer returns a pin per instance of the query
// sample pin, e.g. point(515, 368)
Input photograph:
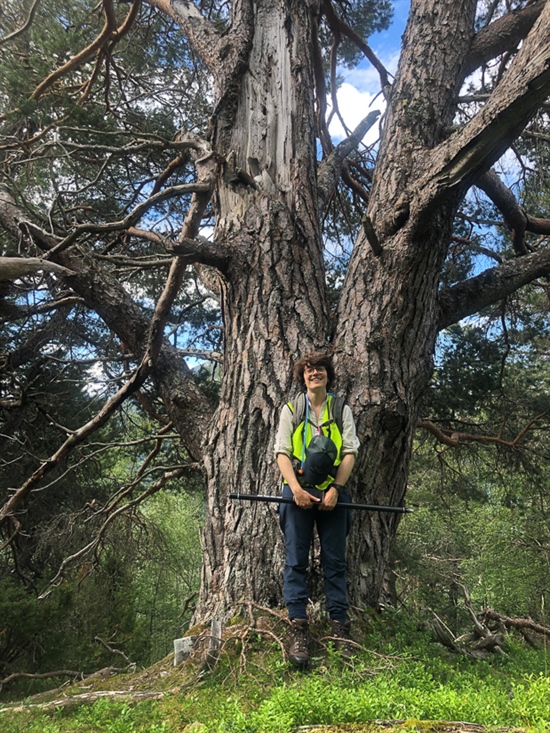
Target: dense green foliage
point(400, 675)
point(133, 599)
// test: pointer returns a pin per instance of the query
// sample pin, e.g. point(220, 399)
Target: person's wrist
point(339, 487)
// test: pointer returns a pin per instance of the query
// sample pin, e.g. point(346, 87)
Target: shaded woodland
point(177, 225)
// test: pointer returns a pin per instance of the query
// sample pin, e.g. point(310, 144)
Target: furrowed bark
point(273, 297)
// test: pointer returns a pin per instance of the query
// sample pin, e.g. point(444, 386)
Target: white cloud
point(360, 94)
point(354, 106)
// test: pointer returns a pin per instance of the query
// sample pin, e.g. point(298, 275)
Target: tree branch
point(167, 475)
point(473, 150)
point(9, 313)
point(202, 34)
point(43, 676)
point(515, 217)
point(452, 438)
point(468, 297)
point(77, 437)
point(134, 216)
point(103, 293)
point(199, 250)
point(12, 268)
point(88, 698)
point(220, 52)
point(85, 55)
point(12, 36)
point(330, 169)
point(516, 623)
point(340, 26)
point(502, 34)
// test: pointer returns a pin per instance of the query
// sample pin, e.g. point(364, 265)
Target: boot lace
point(342, 638)
point(300, 640)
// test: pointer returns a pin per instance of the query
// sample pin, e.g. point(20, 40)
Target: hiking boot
point(298, 653)
point(341, 638)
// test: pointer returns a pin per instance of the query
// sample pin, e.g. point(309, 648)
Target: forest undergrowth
point(400, 678)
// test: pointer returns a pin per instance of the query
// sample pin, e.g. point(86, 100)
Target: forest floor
point(244, 684)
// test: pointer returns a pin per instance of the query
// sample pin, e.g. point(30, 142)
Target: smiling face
point(314, 371)
point(315, 378)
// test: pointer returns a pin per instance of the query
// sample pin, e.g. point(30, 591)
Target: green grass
point(405, 676)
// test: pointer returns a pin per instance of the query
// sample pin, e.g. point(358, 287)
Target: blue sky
point(358, 94)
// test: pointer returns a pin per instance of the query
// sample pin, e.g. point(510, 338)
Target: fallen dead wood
point(87, 698)
point(429, 726)
point(479, 643)
point(43, 676)
point(511, 622)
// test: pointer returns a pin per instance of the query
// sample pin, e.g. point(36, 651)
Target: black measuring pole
point(342, 504)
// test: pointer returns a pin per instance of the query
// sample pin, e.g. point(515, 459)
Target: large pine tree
point(102, 164)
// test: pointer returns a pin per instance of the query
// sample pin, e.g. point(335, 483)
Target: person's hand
point(330, 499)
point(304, 499)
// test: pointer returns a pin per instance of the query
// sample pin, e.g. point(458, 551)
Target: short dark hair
point(315, 358)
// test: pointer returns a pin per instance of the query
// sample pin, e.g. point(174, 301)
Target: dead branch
point(444, 635)
point(203, 354)
point(477, 644)
point(330, 168)
point(12, 268)
point(187, 604)
point(511, 622)
point(133, 217)
point(111, 649)
point(453, 438)
point(88, 698)
point(320, 89)
point(96, 542)
point(141, 473)
point(43, 676)
point(135, 381)
point(17, 313)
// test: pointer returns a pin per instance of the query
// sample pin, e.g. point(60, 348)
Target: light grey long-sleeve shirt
point(283, 440)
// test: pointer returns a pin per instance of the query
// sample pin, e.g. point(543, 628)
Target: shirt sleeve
point(283, 439)
point(350, 441)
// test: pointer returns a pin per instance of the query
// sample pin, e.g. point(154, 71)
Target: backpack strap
point(298, 409)
point(337, 407)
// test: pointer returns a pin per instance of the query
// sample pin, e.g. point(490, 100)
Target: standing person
point(315, 453)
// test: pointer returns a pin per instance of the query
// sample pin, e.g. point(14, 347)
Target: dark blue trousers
point(333, 527)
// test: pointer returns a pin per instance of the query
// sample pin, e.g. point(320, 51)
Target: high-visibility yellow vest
point(329, 428)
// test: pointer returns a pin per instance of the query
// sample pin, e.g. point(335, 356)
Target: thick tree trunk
point(272, 281)
point(388, 318)
point(387, 358)
point(389, 315)
point(273, 298)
